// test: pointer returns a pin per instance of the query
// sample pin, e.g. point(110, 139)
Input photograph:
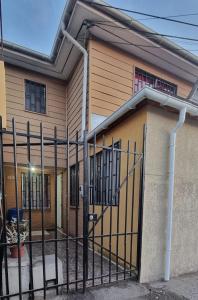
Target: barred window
point(74, 185)
point(143, 79)
point(107, 180)
point(35, 97)
point(35, 191)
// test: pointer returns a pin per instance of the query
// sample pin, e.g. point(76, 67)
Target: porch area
point(83, 221)
point(67, 255)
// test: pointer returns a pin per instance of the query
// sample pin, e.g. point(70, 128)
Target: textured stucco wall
point(184, 257)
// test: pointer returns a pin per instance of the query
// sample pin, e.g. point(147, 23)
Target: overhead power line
point(143, 14)
point(147, 34)
point(175, 16)
point(133, 44)
point(139, 45)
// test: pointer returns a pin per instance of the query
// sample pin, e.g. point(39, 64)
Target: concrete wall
point(184, 257)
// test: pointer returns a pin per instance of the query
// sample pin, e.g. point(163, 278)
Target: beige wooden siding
point(15, 105)
point(74, 98)
point(111, 74)
point(2, 94)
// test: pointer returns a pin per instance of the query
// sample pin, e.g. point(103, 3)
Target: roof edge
point(146, 93)
point(138, 26)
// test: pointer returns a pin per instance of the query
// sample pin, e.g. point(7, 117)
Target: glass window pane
point(105, 193)
point(35, 97)
point(143, 78)
point(74, 199)
point(36, 191)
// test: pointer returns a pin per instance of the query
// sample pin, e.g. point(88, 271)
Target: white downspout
point(172, 146)
point(85, 71)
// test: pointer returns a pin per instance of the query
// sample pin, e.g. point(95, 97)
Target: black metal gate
point(101, 194)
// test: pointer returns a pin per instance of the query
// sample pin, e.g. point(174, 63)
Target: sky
point(34, 23)
point(166, 8)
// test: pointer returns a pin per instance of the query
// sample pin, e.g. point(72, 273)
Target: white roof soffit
point(68, 55)
point(134, 24)
point(162, 57)
point(149, 94)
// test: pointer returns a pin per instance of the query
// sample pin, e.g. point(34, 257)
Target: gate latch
point(92, 217)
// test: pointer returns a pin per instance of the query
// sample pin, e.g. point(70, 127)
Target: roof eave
point(135, 25)
point(149, 94)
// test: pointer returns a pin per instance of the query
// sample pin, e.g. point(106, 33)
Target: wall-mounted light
point(32, 169)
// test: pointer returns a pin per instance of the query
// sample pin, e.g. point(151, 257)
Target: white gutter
point(172, 146)
point(85, 72)
point(183, 107)
point(145, 93)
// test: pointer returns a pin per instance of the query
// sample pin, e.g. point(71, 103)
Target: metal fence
point(101, 206)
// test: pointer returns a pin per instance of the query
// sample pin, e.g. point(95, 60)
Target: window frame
point(106, 201)
point(75, 203)
point(38, 205)
point(156, 78)
point(45, 96)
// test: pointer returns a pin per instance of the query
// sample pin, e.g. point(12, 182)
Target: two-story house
point(132, 78)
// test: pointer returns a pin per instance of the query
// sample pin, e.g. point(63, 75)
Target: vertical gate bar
point(102, 207)
point(31, 191)
point(118, 213)
point(111, 161)
point(67, 211)
point(4, 250)
point(141, 200)
point(42, 209)
point(126, 208)
point(17, 204)
point(36, 193)
point(85, 211)
point(93, 204)
point(132, 206)
point(30, 208)
point(108, 177)
point(56, 226)
point(76, 212)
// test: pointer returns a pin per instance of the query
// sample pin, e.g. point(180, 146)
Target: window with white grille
point(143, 79)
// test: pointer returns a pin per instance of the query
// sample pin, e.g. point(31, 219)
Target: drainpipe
point(85, 71)
point(183, 107)
point(172, 145)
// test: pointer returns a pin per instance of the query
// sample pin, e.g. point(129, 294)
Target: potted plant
point(12, 236)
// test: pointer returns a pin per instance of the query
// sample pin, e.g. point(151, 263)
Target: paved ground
point(185, 286)
point(181, 288)
point(124, 290)
point(76, 268)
